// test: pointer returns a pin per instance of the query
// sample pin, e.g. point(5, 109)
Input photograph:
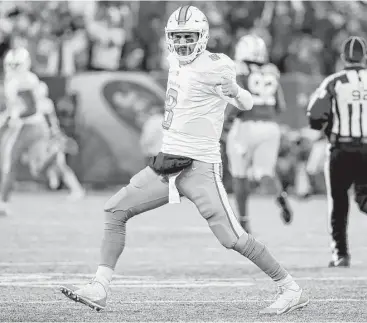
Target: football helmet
point(251, 48)
point(17, 60)
point(187, 19)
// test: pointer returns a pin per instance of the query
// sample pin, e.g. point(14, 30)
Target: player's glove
point(229, 87)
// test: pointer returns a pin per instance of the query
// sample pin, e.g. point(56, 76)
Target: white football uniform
point(21, 95)
point(195, 107)
point(192, 125)
point(26, 121)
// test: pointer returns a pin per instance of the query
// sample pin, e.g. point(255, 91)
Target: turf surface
point(173, 268)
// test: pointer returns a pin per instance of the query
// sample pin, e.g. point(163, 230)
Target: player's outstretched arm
point(234, 94)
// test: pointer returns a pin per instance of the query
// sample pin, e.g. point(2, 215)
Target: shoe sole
point(293, 308)
point(297, 307)
point(69, 293)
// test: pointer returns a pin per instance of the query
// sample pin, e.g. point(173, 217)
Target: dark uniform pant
point(346, 165)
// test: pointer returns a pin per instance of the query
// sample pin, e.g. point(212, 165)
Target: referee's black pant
point(346, 165)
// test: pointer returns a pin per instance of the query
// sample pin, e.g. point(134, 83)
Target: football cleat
point(340, 262)
point(287, 301)
point(93, 294)
point(286, 211)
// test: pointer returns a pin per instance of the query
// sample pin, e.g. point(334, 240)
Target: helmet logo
point(182, 15)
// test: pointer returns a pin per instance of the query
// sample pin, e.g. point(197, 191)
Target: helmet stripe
point(351, 48)
point(182, 14)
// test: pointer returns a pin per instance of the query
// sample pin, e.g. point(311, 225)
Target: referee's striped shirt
point(339, 105)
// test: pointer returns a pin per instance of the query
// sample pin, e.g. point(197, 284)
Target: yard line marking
point(136, 263)
point(48, 275)
point(197, 321)
point(218, 249)
point(235, 301)
point(56, 284)
point(43, 263)
point(314, 249)
point(40, 279)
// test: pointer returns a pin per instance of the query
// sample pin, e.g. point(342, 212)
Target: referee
point(339, 108)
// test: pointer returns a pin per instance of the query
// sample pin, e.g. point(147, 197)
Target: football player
point(21, 88)
point(48, 155)
point(200, 84)
point(254, 138)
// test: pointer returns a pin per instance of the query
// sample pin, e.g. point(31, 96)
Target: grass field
point(173, 268)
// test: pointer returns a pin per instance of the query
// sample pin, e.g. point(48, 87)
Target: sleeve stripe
point(322, 89)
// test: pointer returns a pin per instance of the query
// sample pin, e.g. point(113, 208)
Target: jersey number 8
point(263, 87)
point(171, 102)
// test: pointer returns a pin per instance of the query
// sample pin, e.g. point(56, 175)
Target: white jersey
point(151, 135)
point(21, 95)
point(195, 105)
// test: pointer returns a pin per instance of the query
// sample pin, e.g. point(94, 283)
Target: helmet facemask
point(186, 45)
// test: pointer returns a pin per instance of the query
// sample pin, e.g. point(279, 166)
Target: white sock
point(288, 282)
point(104, 273)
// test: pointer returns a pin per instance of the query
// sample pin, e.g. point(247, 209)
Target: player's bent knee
point(116, 202)
point(220, 226)
point(115, 221)
point(114, 215)
point(123, 202)
point(225, 237)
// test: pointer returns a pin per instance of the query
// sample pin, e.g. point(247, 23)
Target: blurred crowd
point(65, 37)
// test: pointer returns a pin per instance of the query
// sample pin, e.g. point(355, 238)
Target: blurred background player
point(48, 155)
point(287, 162)
point(254, 138)
point(21, 89)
